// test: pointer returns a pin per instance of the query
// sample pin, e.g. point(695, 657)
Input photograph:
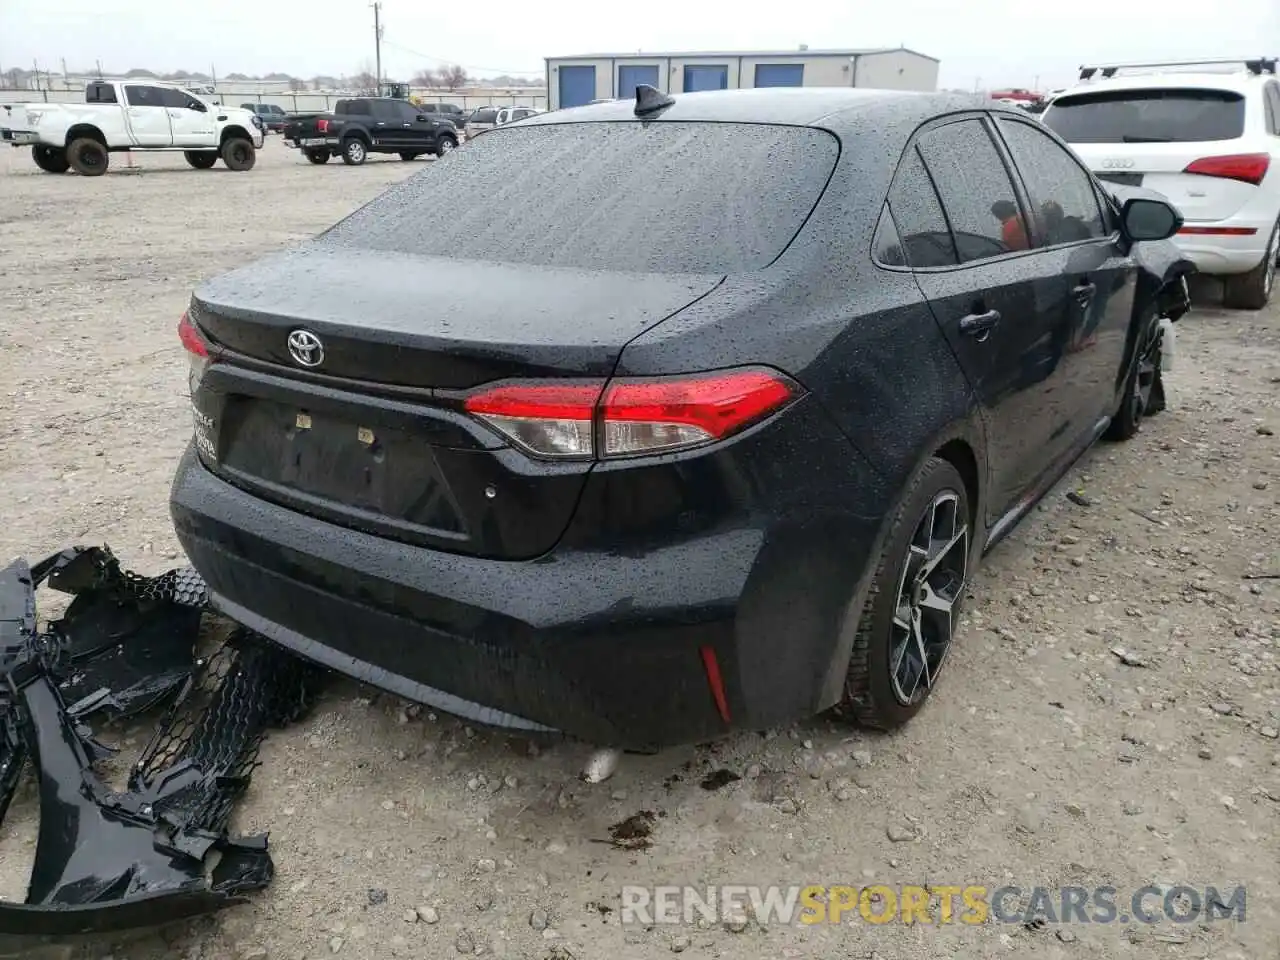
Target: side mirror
point(1144, 219)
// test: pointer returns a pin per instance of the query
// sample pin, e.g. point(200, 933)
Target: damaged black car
point(701, 424)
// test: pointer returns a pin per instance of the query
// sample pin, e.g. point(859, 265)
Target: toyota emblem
point(305, 348)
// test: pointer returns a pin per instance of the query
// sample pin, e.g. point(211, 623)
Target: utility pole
point(377, 39)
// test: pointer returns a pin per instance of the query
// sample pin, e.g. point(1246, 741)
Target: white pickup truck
point(120, 115)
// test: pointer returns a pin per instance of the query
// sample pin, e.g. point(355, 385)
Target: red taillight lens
point(630, 416)
point(641, 416)
point(191, 339)
point(1245, 167)
point(197, 351)
point(322, 126)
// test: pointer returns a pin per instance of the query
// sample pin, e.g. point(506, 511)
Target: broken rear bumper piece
point(107, 861)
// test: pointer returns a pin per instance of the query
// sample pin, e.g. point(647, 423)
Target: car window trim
point(1019, 190)
point(1105, 208)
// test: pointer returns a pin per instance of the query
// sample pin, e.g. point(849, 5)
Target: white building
point(573, 81)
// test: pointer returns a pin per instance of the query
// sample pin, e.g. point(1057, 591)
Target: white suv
point(1209, 141)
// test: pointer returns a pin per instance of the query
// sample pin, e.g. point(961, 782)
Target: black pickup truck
point(364, 125)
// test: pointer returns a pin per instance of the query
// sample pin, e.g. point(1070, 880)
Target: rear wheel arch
point(960, 455)
point(82, 131)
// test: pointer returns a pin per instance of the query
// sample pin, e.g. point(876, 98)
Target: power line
point(448, 62)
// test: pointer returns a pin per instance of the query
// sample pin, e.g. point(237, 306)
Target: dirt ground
point(1044, 759)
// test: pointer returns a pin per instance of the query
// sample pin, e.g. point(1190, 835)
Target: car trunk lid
point(373, 435)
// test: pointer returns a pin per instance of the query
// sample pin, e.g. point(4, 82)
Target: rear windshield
point(1147, 116)
point(665, 197)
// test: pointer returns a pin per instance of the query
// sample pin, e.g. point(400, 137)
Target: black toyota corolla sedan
point(700, 424)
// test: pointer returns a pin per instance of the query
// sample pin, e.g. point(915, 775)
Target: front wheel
point(905, 630)
point(354, 152)
point(200, 159)
point(238, 154)
point(88, 157)
point(1252, 290)
point(50, 159)
point(1144, 387)
point(447, 145)
point(318, 156)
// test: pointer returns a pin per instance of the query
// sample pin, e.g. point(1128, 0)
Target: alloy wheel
point(929, 590)
point(355, 150)
point(1148, 366)
point(446, 146)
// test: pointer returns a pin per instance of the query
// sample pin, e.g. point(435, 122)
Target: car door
point(998, 301)
point(1078, 233)
point(147, 116)
point(419, 128)
point(189, 120)
point(388, 127)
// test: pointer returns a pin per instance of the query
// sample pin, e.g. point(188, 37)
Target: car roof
point(828, 107)
point(1236, 82)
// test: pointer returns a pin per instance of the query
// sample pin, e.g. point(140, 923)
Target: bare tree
point(426, 78)
point(365, 83)
point(297, 85)
point(453, 77)
point(15, 79)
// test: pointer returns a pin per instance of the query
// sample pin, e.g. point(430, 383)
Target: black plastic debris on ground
point(158, 851)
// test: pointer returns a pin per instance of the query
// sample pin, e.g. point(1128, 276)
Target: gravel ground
point(1045, 759)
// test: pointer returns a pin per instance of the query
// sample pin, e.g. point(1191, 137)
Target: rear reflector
point(1245, 167)
point(1218, 231)
point(630, 416)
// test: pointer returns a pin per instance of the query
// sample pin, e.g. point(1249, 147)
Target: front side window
point(142, 96)
point(1063, 201)
point(976, 192)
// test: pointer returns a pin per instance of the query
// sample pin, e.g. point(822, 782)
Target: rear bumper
point(600, 643)
point(18, 138)
point(1224, 254)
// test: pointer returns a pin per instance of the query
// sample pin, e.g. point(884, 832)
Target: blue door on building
point(631, 77)
point(705, 78)
point(577, 85)
point(779, 74)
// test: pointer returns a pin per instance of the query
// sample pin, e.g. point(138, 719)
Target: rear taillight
point(197, 351)
point(576, 419)
point(322, 126)
point(1245, 167)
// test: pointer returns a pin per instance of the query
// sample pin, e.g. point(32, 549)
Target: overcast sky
point(991, 42)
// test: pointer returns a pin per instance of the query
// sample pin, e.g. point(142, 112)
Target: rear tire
point(88, 157)
point(200, 159)
point(238, 154)
point(913, 606)
point(318, 156)
point(1252, 290)
point(354, 152)
point(50, 159)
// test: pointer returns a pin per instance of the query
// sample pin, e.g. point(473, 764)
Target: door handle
point(1084, 291)
point(380, 124)
point(406, 125)
point(980, 325)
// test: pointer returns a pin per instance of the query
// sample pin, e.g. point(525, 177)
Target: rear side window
point(922, 227)
point(976, 192)
point(1063, 202)
point(386, 110)
point(484, 115)
point(669, 197)
point(1147, 116)
point(358, 108)
point(100, 93)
